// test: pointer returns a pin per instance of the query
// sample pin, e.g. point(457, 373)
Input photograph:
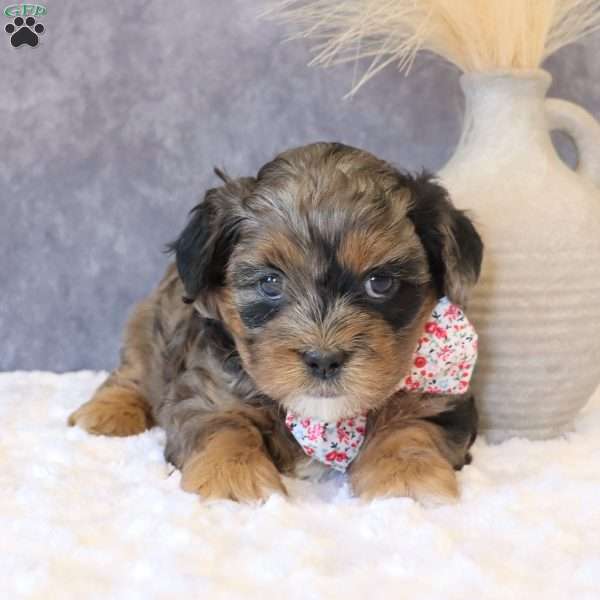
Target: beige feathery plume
point(475, 35)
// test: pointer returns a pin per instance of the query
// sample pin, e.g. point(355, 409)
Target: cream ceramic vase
point(537, 303)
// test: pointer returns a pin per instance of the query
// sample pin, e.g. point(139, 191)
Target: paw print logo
point(24, 32)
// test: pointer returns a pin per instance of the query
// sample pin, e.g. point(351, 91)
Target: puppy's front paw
point(114, 411)
point(427, 479)
point(405, 463)
point(232, 466)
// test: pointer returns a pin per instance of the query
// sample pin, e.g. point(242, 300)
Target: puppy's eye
point(271, 286)
point(379, 286)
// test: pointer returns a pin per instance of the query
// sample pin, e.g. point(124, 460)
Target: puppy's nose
point(324, 365)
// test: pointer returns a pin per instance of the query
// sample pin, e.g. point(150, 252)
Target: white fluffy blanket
point(87, 517)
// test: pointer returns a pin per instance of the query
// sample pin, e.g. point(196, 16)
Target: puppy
point(296, 295)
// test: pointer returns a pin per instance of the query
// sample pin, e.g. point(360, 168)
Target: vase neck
point(505, 110)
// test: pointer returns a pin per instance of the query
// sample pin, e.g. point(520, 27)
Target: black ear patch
point(203, 249)
point(453, 246)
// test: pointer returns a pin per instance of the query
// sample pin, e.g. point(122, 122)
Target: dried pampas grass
point(475, 35)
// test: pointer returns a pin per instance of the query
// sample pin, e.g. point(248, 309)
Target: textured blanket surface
point(88, 517)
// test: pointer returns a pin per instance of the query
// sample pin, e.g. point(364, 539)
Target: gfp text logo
point(25, 10)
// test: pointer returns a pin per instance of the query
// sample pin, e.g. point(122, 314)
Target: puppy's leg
point(459, 424)
point(233, 464)
point(416, 457)
point(222, 455)
point(120, 406)
point(114, 410)
point(405, 462)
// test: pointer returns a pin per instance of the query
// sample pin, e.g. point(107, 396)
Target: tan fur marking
point(362, 250)
point(228, 314)
point(280, 251)
point(232, 465)
point(114, 411)
point(405, 462)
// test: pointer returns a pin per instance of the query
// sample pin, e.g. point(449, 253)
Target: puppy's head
point(324, 268)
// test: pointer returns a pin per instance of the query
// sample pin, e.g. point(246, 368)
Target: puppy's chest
point(204, 363)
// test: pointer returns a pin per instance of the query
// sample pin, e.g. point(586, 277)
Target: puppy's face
point(323, 269)
point(325, 295)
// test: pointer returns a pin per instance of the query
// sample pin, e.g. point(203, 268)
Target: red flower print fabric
point(335, 444)
point(446, 353)
point(442, 364)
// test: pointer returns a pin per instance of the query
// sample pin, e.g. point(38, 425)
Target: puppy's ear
point(203, 248)
point(453, 246)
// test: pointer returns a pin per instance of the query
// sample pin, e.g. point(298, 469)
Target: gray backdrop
point(110, 127)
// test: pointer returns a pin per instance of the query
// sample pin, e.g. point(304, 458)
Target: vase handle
point(583, 129)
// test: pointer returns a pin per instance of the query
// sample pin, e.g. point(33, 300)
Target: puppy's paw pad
point(244, 477)
point(115, 412)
